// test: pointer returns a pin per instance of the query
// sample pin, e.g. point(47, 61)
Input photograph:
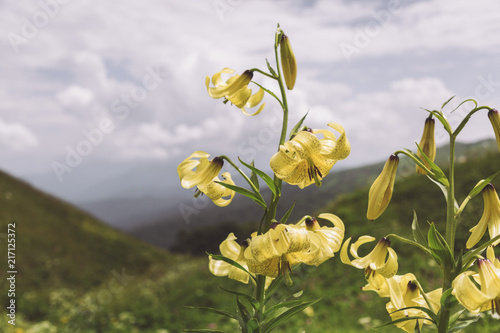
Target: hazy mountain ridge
point(307, 201)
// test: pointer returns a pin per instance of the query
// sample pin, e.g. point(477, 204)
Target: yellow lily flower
point(382, 259)
point(381, 191)
point(229, 248)
point(490, 218)
point(427, 144)
point(197, 170)
point(494, 118)
point(480, 299)
point(331, 238)
point(306, 159)
point(236, 90)
point(404, 292)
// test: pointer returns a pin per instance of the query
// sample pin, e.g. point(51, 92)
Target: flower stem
point(451, 226)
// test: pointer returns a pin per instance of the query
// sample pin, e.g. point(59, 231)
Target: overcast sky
point(123, 83)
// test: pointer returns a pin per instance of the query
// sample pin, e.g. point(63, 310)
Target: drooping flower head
point(427, 144)
point(382, 259)
point(404, 293)
point(381, 190)
point(489, 220)
point(484, 298)
point(494, 118)
point(229, 248)
point(306, 159)
point(235, 90)
point(198, 170)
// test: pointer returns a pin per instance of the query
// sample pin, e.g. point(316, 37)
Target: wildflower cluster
point(268, 256)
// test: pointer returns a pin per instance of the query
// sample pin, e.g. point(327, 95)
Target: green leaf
point(216, 311)
point(233, 263)
point(444, 189)
point(243, 311)
point(461, 324)
point(409, 241)
point(253, 302)
point(430, 313)
point(270, 93)
point(257, 197)
point(287, 214)
point(254, 179)
point(269, 181)
point(444, 104)
point(271, 70)
point(297, 126)
point(418, 236)
point(447, 298)
point(253, 326)
point(438, 173)
point(273, 287)
point(438, 250)
point(280, 319)
point(470, 257)
point(480, 186)
point(400, 320)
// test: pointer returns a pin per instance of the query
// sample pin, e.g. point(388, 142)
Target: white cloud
point(75, 95)
point(16, 137)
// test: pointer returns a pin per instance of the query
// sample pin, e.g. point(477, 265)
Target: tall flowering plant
point(305, 156)
point(409, 306)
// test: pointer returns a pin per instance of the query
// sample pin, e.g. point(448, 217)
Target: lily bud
point(288, 62)
point(427, 144)
point(489, 220)
point(381, 191)
point(495, 122)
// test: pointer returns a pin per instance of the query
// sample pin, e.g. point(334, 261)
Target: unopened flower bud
point(427, 144)
point(288, 62)
point(381, 191)
point(495, 122)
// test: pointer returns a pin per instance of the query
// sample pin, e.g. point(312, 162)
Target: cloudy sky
point(90, 89)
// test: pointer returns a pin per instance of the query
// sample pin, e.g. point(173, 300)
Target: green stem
point(264, 73)
point(252, 185)
point(444, 316)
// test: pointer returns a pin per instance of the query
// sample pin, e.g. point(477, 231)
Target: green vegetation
point(77, 275)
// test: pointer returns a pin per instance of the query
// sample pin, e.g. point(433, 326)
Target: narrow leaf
point(257, 197)
point(444, 104)
point(429, 312)
point(297, 126)
point(249, 298)
point(216, 311)
point(254, 178)
point(244, 313)
point(268, 327)
point(470, 257)
point(461, 324)
point(270, 93)
point(269, 181)
point(287, 214)
point(444, 189)
point(418, 236)
point(231, 262)
point(271, 69)
point(481, 185)
point(437, 249)
point(438, 173)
